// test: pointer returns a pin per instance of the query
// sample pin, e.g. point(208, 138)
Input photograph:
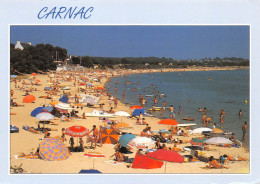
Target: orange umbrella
point(168, 122)
point(136, 107)
point(29, 99)
point(54, 103)
point(38, 80)
point(121, 125)
point(109, 136)
point(100, 87)
point(34, 74)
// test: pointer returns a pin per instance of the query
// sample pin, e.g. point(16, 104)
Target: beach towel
point(112, 162)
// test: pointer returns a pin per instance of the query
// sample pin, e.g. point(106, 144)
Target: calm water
point(214, 90)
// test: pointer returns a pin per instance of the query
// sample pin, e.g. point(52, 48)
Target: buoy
point(245, 101)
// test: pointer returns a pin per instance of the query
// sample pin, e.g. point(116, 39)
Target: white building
point(21, 46)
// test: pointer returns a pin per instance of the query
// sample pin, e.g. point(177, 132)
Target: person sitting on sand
point(174, 148)
point(71, 142)
point(215, 164)
point(144, 122)
point(111, 111)
point(158, 144)
point(119, 157)
point(232, 138)
point(178, 141)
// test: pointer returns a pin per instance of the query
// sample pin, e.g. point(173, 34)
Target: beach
point(25, 141)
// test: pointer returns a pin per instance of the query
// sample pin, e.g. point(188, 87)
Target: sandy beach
point(25, 141)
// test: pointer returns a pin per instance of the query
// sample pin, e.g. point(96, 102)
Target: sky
point(178, 42)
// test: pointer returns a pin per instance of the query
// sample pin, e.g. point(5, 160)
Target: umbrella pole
point(93, 163)
point(165, 167)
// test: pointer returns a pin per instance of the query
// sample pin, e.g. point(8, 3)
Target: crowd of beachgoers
point(69, 121)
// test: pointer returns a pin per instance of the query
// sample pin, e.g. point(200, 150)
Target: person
point(144, 122)
point(232, 158)
point(244, 130)
point(63, 135)
point(221, 117)
point(172, 112)
point(158, 144)
point(123, 95)
point(100, 135)
point(111, 110)
point(83, 115)
point(115, 91)
point(95, 136)
point(208, 120)
point(164, 105)
point(112, 126)
point(31, 155)
point(12, 93)
point(141, 116)
point(115, 103)
point(205, 111)
point(240, 113)
point(81, 144)
point(179, 111)
point(214, 163)
point(232, 138)
point(71, 142)
point(119, 157)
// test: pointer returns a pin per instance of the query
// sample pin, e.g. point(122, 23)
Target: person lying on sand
point(215, 164)
point(233, 158)
point(32, 155)
point(119, 157)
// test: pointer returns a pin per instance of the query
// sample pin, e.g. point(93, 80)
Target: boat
point(186, 124)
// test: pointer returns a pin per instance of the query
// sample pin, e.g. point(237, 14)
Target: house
point(21, 46)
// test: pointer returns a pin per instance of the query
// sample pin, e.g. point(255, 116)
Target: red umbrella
point(166, 155)
point(34, 74)
point(136, 107)
point(168, 122)
point(29, 99)
point(76, 131)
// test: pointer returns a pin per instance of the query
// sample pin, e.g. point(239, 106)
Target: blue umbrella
point(91, 171)
point(124, 139)
point(138, 111)
point(13, 76)
point(40, 109)
point(64, 99)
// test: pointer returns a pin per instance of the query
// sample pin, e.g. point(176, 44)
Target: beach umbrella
point(13, 76)
point(166, 156)
point(37, 80)
point(136, 107)
point(54, 103)
point(29, 99)
point(122, 114)
point(53, 149)
point(51, 75)
point(44, 116)
point(198, 141)
point(100, 88)
point(144, 162)
point(88, 100)
point(200, 130)
point(90, 84)
point(82, 84)
point(63, 106)
point(76, 131)
point(33, 74)
point(64, 99)
point(168, 122)
point(124, 139)
point(94, 155)
point(218, 140)
point(40, 109)
point(90, 171)
point(109, 136)
point(137, 112)
point(141, 142)
point(162, 131)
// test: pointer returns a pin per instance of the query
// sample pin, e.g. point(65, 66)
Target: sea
point(214, 90)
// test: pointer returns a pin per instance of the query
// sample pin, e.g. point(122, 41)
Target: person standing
point(240, 113)
point(244, 130)
point(172, 112)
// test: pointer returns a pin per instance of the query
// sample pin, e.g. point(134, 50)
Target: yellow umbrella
point(217, 131)
point(54, 103)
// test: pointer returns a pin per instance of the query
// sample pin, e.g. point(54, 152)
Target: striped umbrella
point(198, 141)
point(76, 131)
point(109, 136)
point(53, 149)
point(124, 139)
point(141, 142)
point(44, 116)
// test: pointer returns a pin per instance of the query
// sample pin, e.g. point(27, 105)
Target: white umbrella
point(141, 142)
point(218, 140)
point(44, 116)
point(63, 106)
point(200, 130)
point(122, 113)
